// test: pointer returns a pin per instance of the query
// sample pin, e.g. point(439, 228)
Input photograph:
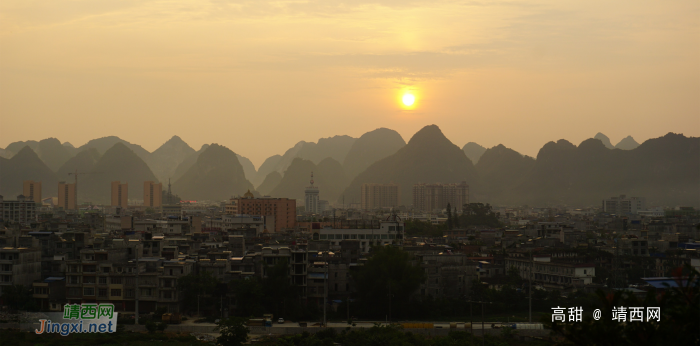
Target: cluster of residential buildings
point(121, 257)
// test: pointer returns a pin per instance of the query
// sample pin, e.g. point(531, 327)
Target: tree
point(18, 297)
point(278, 292)
point(449, 216)
point(514, 278)
point(234, 331)
point(455, 219)
point(388, 273)
point(192, 285)
point(151, 326)
point(249, 297)
point(479, 214)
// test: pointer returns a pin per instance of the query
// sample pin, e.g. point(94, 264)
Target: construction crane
point(75, 174)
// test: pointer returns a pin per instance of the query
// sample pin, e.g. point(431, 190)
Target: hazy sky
point(258, 76)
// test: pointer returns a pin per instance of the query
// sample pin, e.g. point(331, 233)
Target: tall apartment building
point(22, 210)
point(152, 194)
point(380, 196)
point(32, 190)
point(283, 209)
point(311, 198)
point(429, 197)
point(66, 196)
point(120, 194)
point(624, 205)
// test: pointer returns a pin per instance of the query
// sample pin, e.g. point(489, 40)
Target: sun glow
point(408, 99)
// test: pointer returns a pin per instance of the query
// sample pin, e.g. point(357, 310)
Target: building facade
point(32, 190)
point(624, 205)
point(311, 203)
point(120, 194)
point(380, 196)
point(22, 210)
point(283, 209)
point(67, 198)
point(429, 197)
point(152, 194)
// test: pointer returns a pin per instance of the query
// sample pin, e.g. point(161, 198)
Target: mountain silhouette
point(336, 147)
point(84, 161)
point(370, 148)
point(271, 181)
point(266, 168)
point(501, 169)
point(473, 151)
point(659, 169)
point(188, 162)
point(15, 147)
point(248, 168)
point(118, 163)
point(217, 175)
point(105, 143)
point(165, 159)
point(603, 138)
point(627, 143)
point(429, 157)
point(25, 165)
point(53, 153)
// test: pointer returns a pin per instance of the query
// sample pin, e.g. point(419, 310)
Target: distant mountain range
point(665, 170)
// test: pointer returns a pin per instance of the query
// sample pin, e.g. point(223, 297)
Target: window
point(324, 236)
point(129, 293)
point(116, 293)
point(584, 271)
point(116, 280)
point(103, 280)
point(89, 291)
point(384, 236)
point(168, 294)
point(74, 291)
point(75, 279)
point(89, 279)
point(102, 292)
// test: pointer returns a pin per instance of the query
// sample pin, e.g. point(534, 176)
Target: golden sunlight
point(408, 99)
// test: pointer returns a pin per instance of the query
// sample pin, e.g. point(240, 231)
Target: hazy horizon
point(257, 161)
point(258, 76)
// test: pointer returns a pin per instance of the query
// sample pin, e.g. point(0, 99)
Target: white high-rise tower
point(311, 198)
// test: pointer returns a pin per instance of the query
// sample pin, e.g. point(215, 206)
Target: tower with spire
point(311, 197)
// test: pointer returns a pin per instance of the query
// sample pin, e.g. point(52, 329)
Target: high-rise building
point(624, 205)
point(429, 197)
point(284, 210)
point(380, 196)
point(152, 194)
point(23, 210)
point(66, 196)
point(120, 194)
point(311, 198)
point(32, 190)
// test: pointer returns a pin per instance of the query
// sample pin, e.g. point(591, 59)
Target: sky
point(258, 76)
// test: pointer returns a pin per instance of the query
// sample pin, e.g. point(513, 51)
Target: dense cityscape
point(289, 263)
point(349, 173)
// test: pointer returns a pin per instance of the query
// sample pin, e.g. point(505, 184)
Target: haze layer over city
point(349, 173)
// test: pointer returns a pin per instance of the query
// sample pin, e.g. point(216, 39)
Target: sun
point(408, 99)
